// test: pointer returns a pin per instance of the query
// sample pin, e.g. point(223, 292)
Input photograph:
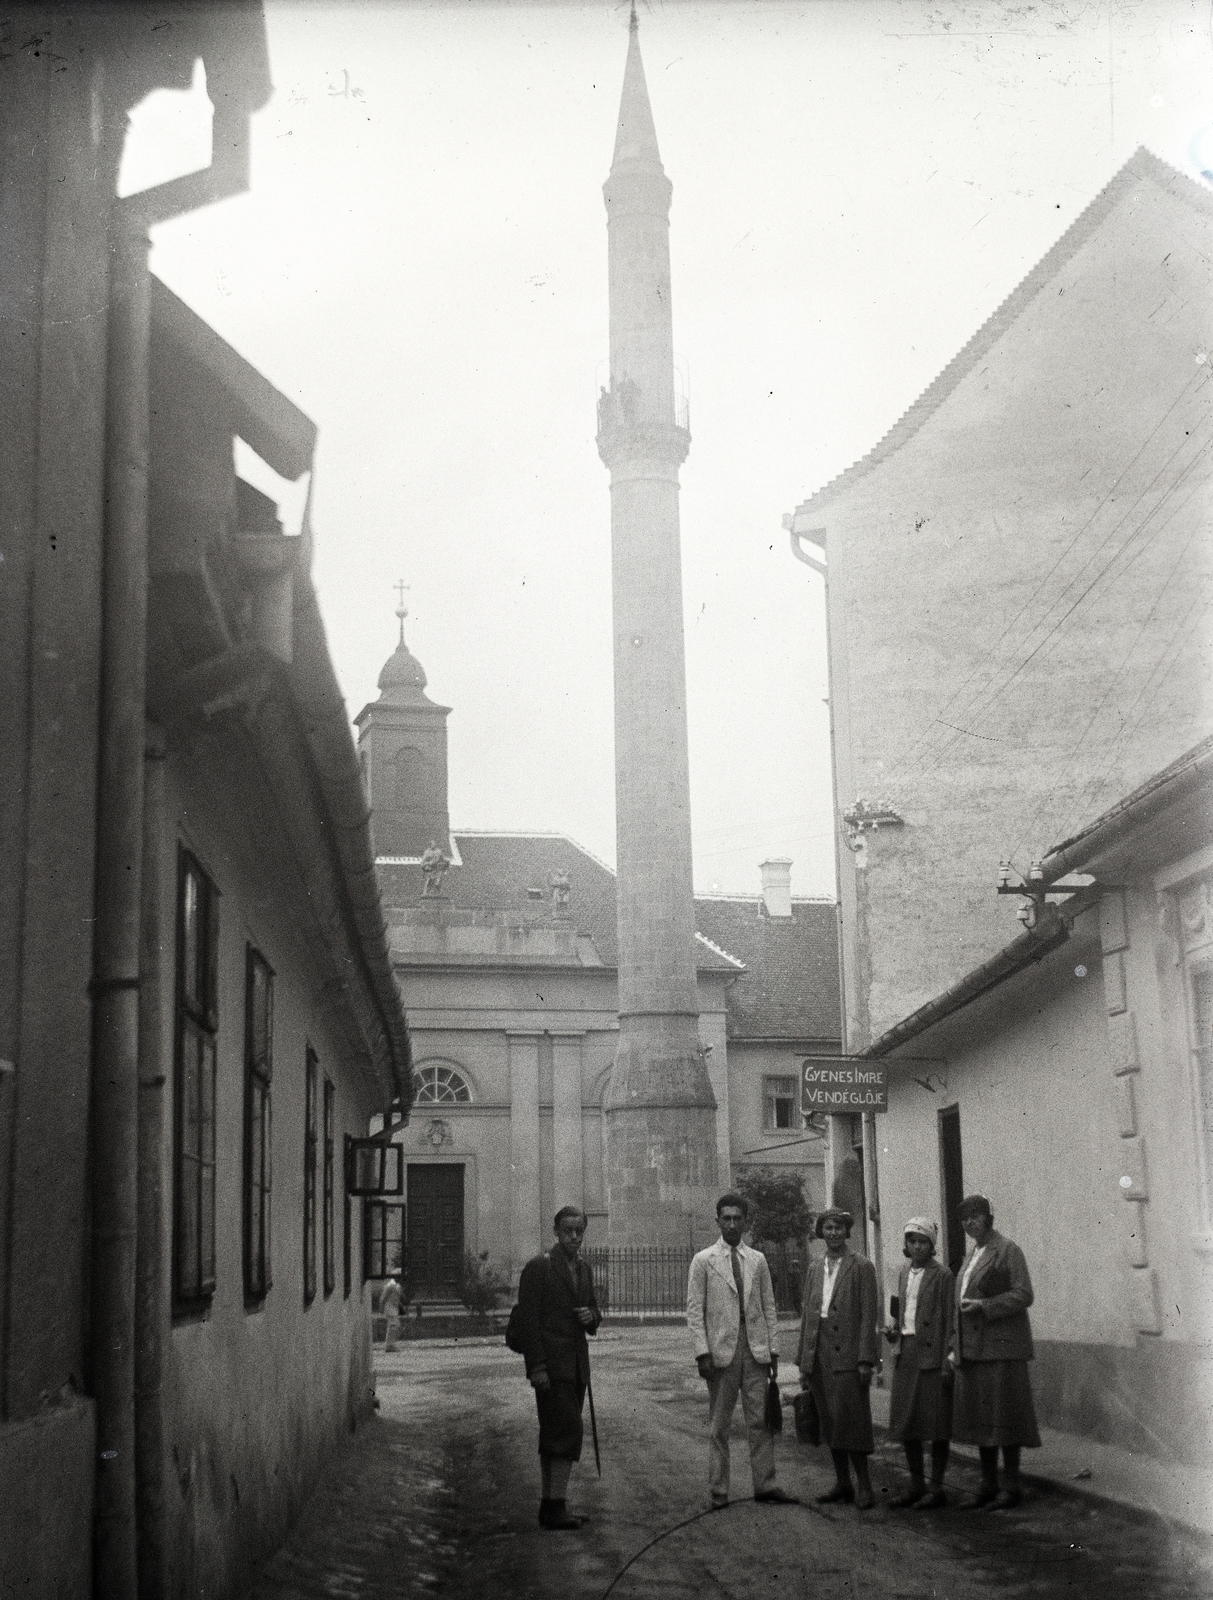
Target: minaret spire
point(661, 1131)
point(636, 137)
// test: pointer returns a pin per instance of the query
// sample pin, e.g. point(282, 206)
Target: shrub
point(480, 1288)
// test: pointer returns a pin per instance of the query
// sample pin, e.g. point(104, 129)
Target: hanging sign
point(843, 1084)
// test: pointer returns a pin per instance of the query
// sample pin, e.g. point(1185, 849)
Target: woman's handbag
point(808, 1423)
point(774, 1414)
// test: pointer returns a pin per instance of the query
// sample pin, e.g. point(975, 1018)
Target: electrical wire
point(1057, 626)
point(1049, 790)
point(977, 706)
point(926, 734)
point(1149, 690)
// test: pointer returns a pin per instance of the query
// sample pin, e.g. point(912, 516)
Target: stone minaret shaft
point(660, 1111)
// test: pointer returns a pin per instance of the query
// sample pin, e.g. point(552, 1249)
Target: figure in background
point(389, 1305)
point(837, 1355)
point(991, 1348)
point(920, 1411)
point(732, 1322)
point(557, 1309)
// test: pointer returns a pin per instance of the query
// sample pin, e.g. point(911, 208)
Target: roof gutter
point(1052, 931)
point(1175, 784)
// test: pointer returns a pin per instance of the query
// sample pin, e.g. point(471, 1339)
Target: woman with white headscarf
point(920, 1409)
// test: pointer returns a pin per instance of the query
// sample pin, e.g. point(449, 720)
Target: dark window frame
point(378, 1238)
point(347, 1251)
point(195, 1051)
point(310, 1142)
point(330, 1104)
point(771, 1098)
point(258, 1126)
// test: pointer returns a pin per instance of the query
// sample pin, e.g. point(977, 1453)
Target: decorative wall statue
point(561, 887)
point(433, 870)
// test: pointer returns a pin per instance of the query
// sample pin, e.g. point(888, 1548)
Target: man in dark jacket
point(557, 1309)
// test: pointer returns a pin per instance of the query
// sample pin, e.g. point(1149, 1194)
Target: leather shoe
point(776, 1497)
point(975, 1502)
point(909, 1497)
point(840, 1491)
point(931, 1501)
point(1006, 1500)
point(558, 1516)
point(865, 1500)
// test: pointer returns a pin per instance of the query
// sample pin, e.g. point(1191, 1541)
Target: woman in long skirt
point(837, 1354)
point(920, 1409)
point(991, 1348)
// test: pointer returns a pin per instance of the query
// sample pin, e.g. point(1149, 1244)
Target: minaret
point(660, 1110)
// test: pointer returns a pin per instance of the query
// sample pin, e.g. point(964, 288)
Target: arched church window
point(410, 775)
point(437, 1085)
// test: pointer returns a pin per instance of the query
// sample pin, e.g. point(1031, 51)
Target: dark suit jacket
point(932, 1314)
point(1001, 1331)
point(549, 1291)
point(849, 1335)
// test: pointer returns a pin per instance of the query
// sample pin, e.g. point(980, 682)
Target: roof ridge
point(533, 833)
point(720, 950)
point(1142, 163)
point(756, 899)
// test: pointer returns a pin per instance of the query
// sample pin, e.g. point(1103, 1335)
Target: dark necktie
point(739, 1281)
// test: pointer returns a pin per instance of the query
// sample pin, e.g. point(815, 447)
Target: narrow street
point(438, 1496)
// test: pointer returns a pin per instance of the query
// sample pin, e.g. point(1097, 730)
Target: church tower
point(402, 748)
point(660, 1110)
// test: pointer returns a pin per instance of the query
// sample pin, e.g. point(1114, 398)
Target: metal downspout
point(154, 1242)
point(114, 1111)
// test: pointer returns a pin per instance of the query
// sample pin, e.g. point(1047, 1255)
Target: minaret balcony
point(627, 427)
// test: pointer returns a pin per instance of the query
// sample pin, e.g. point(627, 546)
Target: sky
point(420, 264)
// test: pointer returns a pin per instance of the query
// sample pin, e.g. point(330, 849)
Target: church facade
point(504, 948)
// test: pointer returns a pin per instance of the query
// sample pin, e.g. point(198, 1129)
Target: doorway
point(435, 1231)
point(952, 1173)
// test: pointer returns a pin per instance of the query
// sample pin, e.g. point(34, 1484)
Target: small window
point(781, 1110)
point(383, 1239)
point(258, 1122)
point(196, 1025)
point(437, 1085)
point(347, 1243)
point(330, 1270)
point(310, 1142)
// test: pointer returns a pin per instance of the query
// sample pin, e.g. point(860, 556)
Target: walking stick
point(589, 1389)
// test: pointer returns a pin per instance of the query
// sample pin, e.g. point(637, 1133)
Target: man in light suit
point(731, 1319)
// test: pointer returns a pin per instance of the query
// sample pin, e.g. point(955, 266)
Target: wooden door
point(952, 1172)
point(435, 1231)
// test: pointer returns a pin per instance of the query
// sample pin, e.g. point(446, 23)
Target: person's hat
point(838, 1215)
point(925, 1226)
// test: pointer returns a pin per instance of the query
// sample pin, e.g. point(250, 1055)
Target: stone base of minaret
point(660, 1137)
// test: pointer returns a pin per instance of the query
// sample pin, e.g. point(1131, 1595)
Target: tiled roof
point(498, 869)
point(1142, 166)
point(789, 989)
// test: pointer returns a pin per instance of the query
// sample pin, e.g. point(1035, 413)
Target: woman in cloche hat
point(920, 1410)
point(838, 1352)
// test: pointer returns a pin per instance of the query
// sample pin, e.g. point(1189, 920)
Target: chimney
point(777, 886)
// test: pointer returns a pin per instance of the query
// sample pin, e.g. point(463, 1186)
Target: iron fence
point(651, 1280)
point(641, 1280)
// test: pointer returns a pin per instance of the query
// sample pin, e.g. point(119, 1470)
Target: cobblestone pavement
point(438, 1495)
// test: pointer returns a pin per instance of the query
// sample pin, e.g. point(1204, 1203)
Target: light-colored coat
point(848, 1339)
point(713, 1312)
